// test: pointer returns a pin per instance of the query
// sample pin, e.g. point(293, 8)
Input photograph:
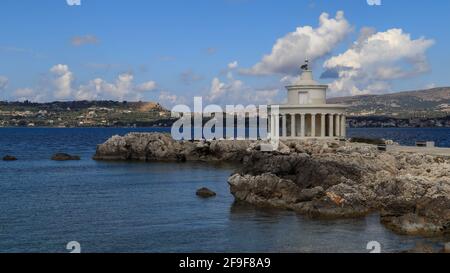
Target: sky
point(227, 51)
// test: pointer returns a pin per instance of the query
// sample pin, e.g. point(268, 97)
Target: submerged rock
point(64, 157)
point(9, 158)
point(427, 216)
point(205, 193)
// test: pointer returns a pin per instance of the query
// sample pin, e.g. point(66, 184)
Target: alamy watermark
point(78, 2)
point(74, 247)
point(73, 2)
point(234, 122)
point(374, 247)
point(374, 2)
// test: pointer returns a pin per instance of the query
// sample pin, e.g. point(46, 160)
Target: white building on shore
point(306, 113)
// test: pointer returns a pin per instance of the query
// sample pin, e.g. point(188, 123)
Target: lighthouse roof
point(306, 78)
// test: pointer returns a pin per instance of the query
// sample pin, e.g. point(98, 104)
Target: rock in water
point(9, 158)
point(412, 191)
point(316, 178)
point(447, 248)
point(64, 157)
point(205, 193)
point(161, 147)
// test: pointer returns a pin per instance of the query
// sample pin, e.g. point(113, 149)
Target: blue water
point(152, 207)
point(405, 136)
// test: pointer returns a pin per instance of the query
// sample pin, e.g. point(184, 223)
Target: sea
point(152, 207)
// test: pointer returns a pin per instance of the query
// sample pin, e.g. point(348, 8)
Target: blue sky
point(172, 50)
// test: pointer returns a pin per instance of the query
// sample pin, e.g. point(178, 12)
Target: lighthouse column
point(343, 126)
point(293, 132)
point(337, 125)
point(331, 126)
point(302, 125)
point(322, 123)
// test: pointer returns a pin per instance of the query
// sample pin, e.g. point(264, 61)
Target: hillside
point(82, 114)
point(430, 103)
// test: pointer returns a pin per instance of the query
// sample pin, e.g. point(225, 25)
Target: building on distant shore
point(306, 113)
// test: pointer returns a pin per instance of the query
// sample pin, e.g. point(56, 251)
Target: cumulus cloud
point(23, 94)
point(221, 89)
point(3, 82)
point(231, 90)
point(168, 98)
point(63, 78)
point(84, 40)
point(375, 60)
point(122, 89)
point(305, 42)
point(233, 65)
point(146, 86)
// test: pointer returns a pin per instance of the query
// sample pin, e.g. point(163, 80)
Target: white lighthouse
point(306, 113)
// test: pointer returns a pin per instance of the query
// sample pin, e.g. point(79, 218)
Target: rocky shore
point(329, 179)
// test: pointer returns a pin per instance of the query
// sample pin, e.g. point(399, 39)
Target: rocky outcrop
point(205, 193)
point(161, 147)
point(9, 158)
point(330, 179)
point(341, 179)
point(64, 157)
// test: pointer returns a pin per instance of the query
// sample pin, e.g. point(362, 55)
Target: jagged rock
point(412, 191)
point(283, 149)
point(161, 147)
point(9, 158)
point(64, 157)
point(205, 193)
point(427, 216)
point(324, 178)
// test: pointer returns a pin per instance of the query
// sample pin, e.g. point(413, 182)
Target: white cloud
point(146, 86)
point(169, 99)
point(63, 78)
point(375, 60)
point(305, 42)
point(122, 89)
point(233, 65)
point(90, 91)
point(219, 89)
point(3, 82)
point(23, 94)
point(232, 91)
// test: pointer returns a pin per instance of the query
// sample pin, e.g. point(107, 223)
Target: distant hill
point(428, 103)
point(82, 105)
point(83, 114)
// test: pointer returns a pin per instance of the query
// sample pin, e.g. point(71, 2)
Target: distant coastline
point(114, 114)
point(353, 122)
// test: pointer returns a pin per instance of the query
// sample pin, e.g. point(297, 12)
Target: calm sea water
point(152, 207)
